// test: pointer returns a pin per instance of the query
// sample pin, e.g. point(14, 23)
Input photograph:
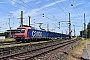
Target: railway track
point(15, 48)
point(30, 54)
point(10, 43)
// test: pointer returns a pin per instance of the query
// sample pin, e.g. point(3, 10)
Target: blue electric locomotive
point(26, 34)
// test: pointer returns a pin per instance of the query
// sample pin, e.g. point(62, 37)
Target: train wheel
point(17, 40)
point(23, 41)
point(27, 40)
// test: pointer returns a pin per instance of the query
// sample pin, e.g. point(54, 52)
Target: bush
point(4, 34)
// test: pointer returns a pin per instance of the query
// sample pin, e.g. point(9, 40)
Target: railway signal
point(72, 3)
point(43, 15)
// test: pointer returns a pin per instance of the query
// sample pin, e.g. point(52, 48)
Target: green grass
point(7, 40)
point(22, 44)
point(14, 45)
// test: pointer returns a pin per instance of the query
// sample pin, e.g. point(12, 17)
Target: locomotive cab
point(20, 34)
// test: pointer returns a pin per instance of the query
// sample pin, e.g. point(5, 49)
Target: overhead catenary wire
point(49, 12)
point(60, 7)
point(31, 8)
point(74, 8)
point(52, 14)
point(64, 6)
point(19, 4)
point(38, 12)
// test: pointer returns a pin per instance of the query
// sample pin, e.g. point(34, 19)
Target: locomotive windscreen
point(20, 30)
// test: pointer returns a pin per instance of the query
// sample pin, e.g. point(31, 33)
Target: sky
point(54, 11)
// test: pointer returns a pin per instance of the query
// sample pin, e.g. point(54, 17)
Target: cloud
point(2, 2)
point(26, 1)
point(16, 13)
point(33, 12)
point(13, 2)
point(48, 5)
point(47, 0)
point(38, 2)
point(51, 4)
point(80, 3)
point(88, 3)
point(32, 0)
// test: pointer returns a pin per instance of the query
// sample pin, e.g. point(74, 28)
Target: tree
point(88, 30)
point(82, 33)
point(4, 34)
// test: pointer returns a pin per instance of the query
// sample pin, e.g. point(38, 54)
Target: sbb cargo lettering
point(36, 34)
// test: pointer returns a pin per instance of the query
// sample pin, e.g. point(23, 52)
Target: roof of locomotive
point(29, 27)
point(26, 26)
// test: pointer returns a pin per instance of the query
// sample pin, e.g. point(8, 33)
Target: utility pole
point(59, 25)
point(9, 27)
point(69, 22)
point(47, 27)
point(9, 23)
point(69, 27)
point(62, 31)
point(29, 20)
point(74, 30)
point(85, 33)
point(21, 19)
point(66, 31)
point(21, 24)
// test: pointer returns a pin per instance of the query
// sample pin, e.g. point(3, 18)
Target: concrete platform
point(86, 51)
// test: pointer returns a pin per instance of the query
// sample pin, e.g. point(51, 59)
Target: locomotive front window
point(20, 30)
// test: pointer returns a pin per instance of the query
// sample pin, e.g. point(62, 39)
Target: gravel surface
point(59, 54)
point(17, 49)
